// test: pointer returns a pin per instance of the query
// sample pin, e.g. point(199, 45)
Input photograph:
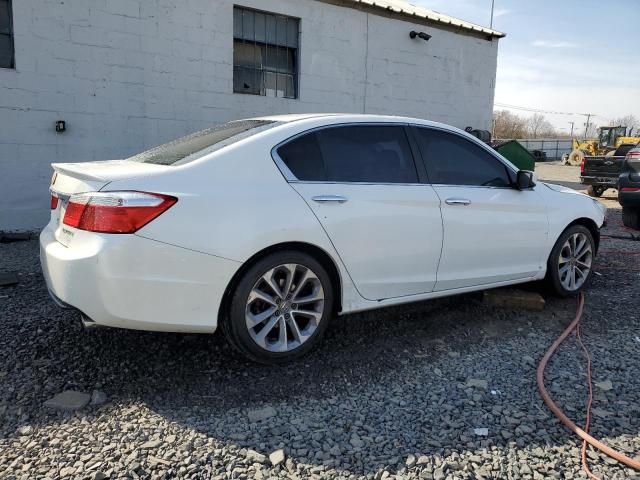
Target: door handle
point(457, 201)
point(329, 199)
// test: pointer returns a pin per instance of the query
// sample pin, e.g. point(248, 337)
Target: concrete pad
point(515, 299)
point(68, 401)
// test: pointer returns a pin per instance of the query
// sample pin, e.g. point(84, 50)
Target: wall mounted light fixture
point(61, 126)
point(424, 36)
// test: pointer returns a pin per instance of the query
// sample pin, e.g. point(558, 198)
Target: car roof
point(350, 117)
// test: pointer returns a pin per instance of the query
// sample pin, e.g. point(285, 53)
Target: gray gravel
point(437, 390)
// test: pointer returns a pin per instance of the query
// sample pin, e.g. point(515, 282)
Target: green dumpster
point(513, 151)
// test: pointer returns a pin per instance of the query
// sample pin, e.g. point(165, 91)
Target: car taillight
point(633, 154)
point(630, 189)
point(54, 201)
point(582, 166)
point(115, 212)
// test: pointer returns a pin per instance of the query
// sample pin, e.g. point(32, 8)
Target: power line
point(538, 110)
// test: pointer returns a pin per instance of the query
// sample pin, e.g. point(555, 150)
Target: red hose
point(560, 414)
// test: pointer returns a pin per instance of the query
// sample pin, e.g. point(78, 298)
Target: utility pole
point(586, 126)
point(571, 128)
point(493, 4)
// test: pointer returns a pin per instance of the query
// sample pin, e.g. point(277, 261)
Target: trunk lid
point(71, 178)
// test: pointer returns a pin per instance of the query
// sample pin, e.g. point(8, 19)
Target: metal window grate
point(265, 53)
point(6, 35)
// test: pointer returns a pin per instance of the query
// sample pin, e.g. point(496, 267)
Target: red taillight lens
point(630, 189)
point(633, 154)
point(54, 201)
point(115, 212)
point(582, 166)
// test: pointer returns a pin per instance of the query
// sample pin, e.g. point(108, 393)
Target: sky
point(562, 55)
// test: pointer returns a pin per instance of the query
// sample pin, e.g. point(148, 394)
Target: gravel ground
point(397, 393)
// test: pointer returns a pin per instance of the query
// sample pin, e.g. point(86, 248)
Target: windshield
point(191, 147)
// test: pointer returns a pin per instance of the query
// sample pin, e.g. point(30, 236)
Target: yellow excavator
point(609, 139)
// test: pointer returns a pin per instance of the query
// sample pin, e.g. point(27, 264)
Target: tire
point(303, 330)
point(559, 282)
point(595, 191)
point(631, 217)
point(575, 157)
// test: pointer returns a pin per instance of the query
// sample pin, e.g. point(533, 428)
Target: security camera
point(424, 36)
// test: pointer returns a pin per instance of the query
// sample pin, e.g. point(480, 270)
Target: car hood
point(562, 189)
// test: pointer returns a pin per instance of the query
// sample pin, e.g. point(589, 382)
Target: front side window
point(6, 35)
point(453, 160)
point(265, 53)
point(196, 145)
point(358, 154)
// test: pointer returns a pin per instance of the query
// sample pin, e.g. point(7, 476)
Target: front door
point(492, 231)
point(361, 183)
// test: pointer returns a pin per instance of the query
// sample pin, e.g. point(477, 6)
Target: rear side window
point(453, 160)
point(194, 146)
point(358, 153)
point(303, 157)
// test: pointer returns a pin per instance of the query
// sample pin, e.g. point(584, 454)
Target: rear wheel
point(280, 308)
point(569, 267)
point(631, 217)
point(595, 190)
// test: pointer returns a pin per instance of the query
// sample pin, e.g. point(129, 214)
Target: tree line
point(508, 125)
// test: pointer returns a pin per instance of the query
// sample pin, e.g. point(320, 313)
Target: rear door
point(361, 183)
point(492, 232)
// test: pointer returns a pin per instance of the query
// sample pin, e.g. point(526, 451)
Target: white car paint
point(390, 244)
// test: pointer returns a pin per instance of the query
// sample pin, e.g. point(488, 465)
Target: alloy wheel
point(574, 262)
point(284, 307)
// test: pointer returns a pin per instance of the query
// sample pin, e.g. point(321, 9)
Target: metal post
point(571, 128)
point(586, 128)
point(493, 4)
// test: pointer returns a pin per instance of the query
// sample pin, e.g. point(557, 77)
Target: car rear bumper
point(611, 182)
point(127, 281)
point(629, 193)
point(629, 199)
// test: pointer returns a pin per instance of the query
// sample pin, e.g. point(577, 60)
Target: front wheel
point(595, 191)
point(569, 267)
point(280, 308)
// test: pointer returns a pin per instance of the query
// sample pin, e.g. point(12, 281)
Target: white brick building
point(128, 74)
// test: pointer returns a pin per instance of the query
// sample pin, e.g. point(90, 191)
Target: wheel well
point(317, 253)
point(591, 225)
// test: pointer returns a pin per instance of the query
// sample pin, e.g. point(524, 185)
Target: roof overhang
point(400, 8)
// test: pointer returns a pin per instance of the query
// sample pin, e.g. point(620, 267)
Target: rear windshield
point(194, 146)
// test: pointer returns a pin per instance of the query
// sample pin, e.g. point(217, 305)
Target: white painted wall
point(129, 74)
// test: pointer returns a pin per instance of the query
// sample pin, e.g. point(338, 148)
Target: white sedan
point(269, 227)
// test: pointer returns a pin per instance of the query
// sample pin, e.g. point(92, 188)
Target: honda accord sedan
point(271, 227)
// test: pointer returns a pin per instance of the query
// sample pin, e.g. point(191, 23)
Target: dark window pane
point(453, 160)
point(271, 29)
point(281, 32)
point(6, 51)
point(237, 23)
point(302, 156)
point(248, 25)
point(261, 28)
point(179, 151)
point(292, 33)
point(374, 154)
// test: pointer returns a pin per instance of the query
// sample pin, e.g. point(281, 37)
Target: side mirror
point(525, 180)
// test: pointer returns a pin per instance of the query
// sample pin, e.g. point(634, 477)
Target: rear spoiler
point(79, 171)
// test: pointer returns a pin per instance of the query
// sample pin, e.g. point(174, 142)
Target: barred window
point(265, 53)
point(6, 35)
